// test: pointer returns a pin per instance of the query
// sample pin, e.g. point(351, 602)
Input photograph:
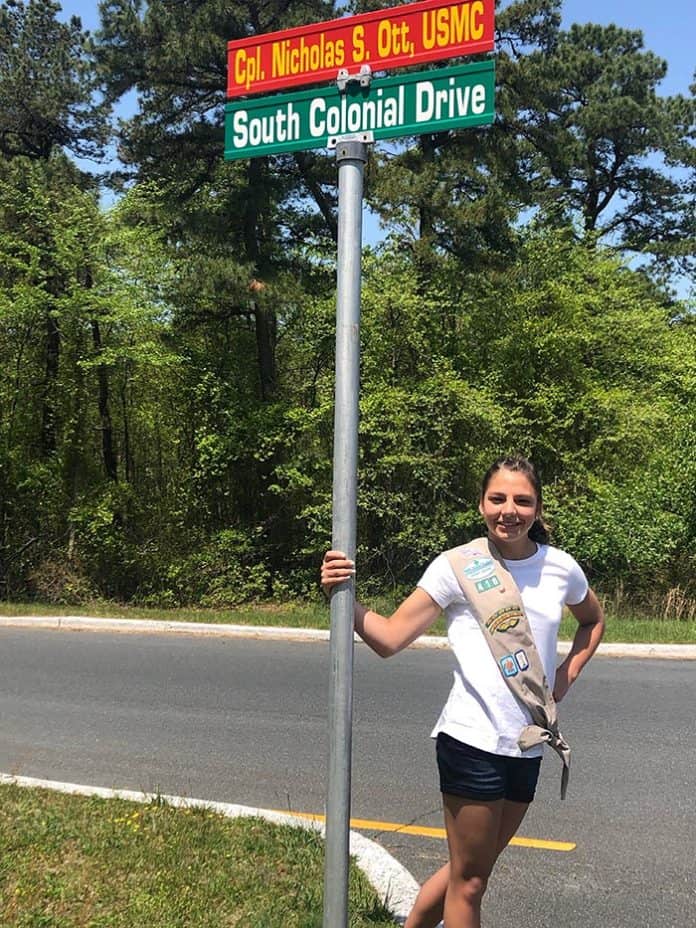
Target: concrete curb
point(147, 626)
point(78, 623)
point(394, 884)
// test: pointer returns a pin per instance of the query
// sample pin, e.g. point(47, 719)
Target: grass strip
point(291, 615)
point(623, 630)
point(86, 862)
point(634, 629)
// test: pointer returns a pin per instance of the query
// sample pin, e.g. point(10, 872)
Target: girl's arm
point(590, 616)
point(385, 635)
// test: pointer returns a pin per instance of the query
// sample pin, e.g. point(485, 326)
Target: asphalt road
point(245, 721)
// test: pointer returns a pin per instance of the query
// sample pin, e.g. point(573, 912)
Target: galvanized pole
point(351, 157)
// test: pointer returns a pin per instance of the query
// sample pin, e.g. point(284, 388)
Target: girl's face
point(509, 506)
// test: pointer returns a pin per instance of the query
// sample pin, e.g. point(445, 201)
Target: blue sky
point(669, 28)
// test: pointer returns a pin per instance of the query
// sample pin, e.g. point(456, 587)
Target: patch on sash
point(479, 568)
point(482, 586)
point(504, 619)
point(511, 664)
point(471, 552)
point(521, 659)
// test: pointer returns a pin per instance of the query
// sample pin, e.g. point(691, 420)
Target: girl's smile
point(510, 507)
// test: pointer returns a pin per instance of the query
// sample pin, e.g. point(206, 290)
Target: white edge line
point(394, 884)
point(150, 626)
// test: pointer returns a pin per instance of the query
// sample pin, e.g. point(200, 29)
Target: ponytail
point(539, 532)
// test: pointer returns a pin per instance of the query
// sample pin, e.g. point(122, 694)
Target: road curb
point(149, 626)
point(395, 885)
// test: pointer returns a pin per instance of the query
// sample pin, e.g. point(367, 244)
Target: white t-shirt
point(481, 711)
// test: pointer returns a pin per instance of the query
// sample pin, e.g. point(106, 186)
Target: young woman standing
point(487, 782)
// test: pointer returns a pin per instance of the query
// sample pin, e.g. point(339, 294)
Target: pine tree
point(48, 90)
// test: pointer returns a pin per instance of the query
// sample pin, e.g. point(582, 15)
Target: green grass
point(79, 862)
point(626, 626)
point(624, 630)
point(292, 615)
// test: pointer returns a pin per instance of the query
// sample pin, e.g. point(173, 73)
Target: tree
point(48, 90)
point(597, 377)
point(601, 147)
point(581, 136)
point(41, 401)
point(462, 192)
point(77, 327)
point(252, 212)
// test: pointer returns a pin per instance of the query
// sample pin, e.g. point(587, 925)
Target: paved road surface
point(245, 721)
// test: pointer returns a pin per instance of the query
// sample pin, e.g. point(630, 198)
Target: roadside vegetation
point(82, 862)
point(624, 623)
point(167, 362)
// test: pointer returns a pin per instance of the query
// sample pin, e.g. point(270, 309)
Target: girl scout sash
point(495, 600)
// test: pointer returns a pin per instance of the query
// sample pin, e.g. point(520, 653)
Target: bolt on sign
point(410, 104)
point(416, 33)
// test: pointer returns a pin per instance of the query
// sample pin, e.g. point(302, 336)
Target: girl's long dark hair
point(539, 531)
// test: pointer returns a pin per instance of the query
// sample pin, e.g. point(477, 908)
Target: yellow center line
point(363, 824)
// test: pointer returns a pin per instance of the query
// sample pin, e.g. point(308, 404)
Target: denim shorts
point(474, 774)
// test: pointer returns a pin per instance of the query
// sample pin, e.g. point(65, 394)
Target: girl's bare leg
point(430, 902)
point(428, 909)
point(472, 838)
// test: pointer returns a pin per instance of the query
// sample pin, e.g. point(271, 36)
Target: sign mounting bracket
point(335, 140)
point(363, 77)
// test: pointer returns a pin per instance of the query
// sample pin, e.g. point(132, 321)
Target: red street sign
point(404, 35)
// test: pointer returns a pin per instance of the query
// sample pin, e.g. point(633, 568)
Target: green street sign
point(410, 104)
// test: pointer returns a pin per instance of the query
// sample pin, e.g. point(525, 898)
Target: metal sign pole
point(446, 98)
point(351, 157)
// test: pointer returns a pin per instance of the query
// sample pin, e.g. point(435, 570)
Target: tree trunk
point(264, 318)
point(48, 407)
point(127, 458)
point(425, 212)
point(108, 453)
point(265, 322)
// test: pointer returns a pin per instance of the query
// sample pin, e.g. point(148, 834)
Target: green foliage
point(47, 83)
point(599, 144)
point(423, 422)
point(582, 136)
point(598, 379)
point(166, 367)
point(225, 572)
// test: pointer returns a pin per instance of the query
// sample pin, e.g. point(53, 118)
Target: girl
point(486, 781)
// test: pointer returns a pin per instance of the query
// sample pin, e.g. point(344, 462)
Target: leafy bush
point(225, 572)
point(60, 583)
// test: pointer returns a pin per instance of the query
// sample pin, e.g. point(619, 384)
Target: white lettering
point(281, 126)
point(293, 124)
point(317, 126)
point(354, 117)
point(425, 106)
point(463, 99)
point(448, 102)
point(478, 103)
point(333, 121)
point(239, 138)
